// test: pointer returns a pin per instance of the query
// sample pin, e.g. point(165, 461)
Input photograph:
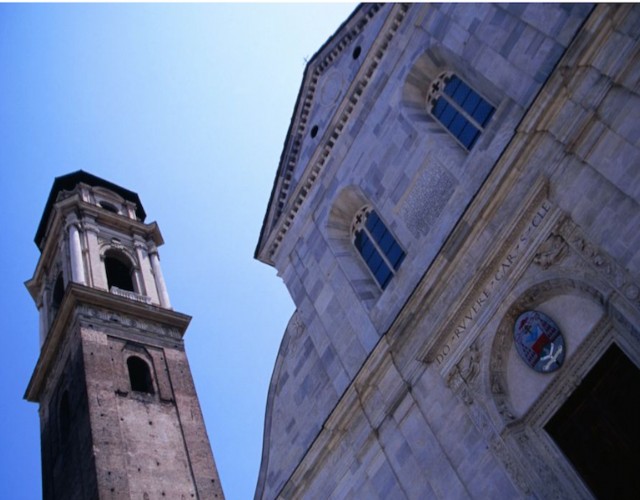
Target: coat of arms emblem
point(539, 342)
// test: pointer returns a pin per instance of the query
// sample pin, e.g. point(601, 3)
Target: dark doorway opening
point(598, 427)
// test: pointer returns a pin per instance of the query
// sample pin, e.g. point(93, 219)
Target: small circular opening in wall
point(314, 131)
point(356, 52)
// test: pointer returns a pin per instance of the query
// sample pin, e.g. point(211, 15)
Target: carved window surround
point(531, 447)
point(554, 475)
point(533, 460)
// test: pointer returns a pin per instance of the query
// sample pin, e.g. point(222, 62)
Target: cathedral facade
point(456, 217)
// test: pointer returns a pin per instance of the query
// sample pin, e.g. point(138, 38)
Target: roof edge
point(305, 76)
point(68, 182)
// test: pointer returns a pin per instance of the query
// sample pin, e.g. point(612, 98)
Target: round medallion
point(539, 341)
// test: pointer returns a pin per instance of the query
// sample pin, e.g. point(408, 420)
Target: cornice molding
point(284, 205)
point(86, 214)
point(77, 296)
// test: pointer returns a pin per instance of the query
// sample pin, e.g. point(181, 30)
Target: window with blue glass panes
point(459, 108)
point(377, 246)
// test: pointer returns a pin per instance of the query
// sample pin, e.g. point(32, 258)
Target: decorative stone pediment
point(333, 83)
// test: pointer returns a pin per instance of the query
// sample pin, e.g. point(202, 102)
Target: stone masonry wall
point(413, 420)
point(395, 157)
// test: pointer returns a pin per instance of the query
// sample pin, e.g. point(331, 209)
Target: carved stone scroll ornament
point(462, 381)
point(600, 261)
point(298, 324)
point(464, 373)
point(552, 251)
point(107, 317)
point(294, 336)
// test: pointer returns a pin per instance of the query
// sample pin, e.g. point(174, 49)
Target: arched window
point(139, 375)
point(459, 108)
point(118, 272)
point(376, 245)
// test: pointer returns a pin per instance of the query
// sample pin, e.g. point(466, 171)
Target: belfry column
point(43, 321)
point(157, 272)
point(96, 274)
point(75, 250)
point(145, 273)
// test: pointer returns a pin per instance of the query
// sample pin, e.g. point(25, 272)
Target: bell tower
point(119, 414)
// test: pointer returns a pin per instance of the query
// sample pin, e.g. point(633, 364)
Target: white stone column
point(75, 249)
point(159, 279)
point(43, 316)
point(144, 274)
point(96, 273)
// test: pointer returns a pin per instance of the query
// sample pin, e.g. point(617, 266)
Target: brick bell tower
point(119, 414)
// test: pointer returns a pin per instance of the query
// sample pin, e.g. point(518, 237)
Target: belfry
point(119, 414)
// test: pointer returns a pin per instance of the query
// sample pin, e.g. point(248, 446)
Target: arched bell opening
point(119, 271)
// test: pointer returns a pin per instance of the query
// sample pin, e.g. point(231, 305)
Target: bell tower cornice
point(72, 211)
point(87, 185)
point(172, 324)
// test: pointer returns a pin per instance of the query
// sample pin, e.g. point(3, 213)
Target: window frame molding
point(526, 433)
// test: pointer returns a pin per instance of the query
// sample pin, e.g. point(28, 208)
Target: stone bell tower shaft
point(119, 415)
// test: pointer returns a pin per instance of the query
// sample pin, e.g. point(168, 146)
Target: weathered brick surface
point(122, 443)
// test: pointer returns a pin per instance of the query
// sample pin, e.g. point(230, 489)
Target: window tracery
point(459, 108)
point(376, 245)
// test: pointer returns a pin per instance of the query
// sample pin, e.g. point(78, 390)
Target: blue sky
point(187, 105)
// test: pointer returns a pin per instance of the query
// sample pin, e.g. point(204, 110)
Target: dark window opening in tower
point(109, 207)
point(118, 273)
point(64, 416)
point(139, 375)
point(58, 293)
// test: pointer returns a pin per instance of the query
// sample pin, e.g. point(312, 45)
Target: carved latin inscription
point(464, 321)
